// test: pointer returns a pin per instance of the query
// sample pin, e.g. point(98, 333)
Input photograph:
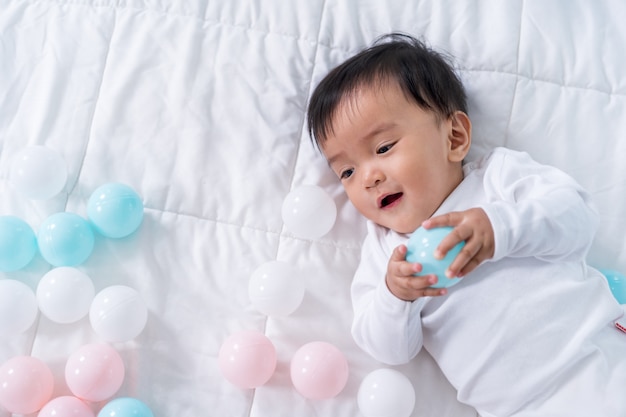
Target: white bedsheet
point(200, 107)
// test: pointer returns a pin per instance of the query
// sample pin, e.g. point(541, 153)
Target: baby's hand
point(473, 227)
point(401, 280)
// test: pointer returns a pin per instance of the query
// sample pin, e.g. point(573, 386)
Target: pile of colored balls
point(65, 294)
point(318, 370)
point(64, 239)
point(93, 373)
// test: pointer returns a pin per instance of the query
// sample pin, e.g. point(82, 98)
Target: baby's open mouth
point(390, 199)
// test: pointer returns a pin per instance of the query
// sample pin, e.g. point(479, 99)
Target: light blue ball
point(65, 239)
point(18, 243)
point(115, 210)
point(617, 283)
point(125, 407)
point(421, 248)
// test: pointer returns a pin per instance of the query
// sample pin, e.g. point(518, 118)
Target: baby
point(529, 330)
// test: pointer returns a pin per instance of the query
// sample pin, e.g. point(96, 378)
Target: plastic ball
point(276, 288)
point(118, 313)
point(18, 307)
point(18, 243)
point(125, 407)
point(65, 239)
point(64, 294)
point(617, 284)
point(26, 384)
point(386, 393)
point(421, 247)
point(38, 172)
point(247, 359)
point(319, 370)
point(66, 406)
point(115, 210)
point(309, 212)
point(94, 372)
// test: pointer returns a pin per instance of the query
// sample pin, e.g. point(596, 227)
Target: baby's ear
point(459, 136)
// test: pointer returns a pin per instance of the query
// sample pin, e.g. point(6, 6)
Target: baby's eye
point(346, 174)
point(385, 148)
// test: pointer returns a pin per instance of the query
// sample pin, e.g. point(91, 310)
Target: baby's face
point(394, 159)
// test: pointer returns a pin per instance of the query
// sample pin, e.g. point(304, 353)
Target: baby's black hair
point(425, 76)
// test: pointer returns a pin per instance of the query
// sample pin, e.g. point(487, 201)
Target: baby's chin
point(403, 229)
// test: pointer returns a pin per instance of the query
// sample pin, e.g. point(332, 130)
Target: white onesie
point(528, 333)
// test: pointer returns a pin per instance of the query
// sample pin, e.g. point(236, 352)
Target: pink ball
point(247, 359)
point(26, 384)
point(319, 370)
point(66, 407)
point(94, 372)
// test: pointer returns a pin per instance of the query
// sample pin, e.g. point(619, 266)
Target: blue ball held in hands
point(18, 243)
point(115, 210)
point(65, 239)
point(617, 283)
point(421, 247)
point(125, 407)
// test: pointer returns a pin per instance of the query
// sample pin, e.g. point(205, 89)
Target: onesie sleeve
point(384, 326)
point(537, 210)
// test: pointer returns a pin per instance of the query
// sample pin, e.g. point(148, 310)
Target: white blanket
point(200, 107)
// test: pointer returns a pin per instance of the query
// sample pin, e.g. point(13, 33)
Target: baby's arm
point(386, 327)
point(534, 210)
point(542, 212)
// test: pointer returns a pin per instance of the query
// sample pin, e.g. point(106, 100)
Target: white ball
point(386, 393)
point(65, 294)
point(118, 313)
point(18, 307)
point(309, 212)
point(276, 288)
point(38, 172)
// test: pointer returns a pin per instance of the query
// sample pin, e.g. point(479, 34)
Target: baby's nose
point(373, 178)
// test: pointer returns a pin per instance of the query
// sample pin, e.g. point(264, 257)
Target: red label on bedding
point(621, 324)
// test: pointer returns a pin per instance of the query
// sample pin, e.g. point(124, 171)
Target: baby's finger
point(422, 286)
point(412, 288)
point(434, 292)
point(422, 282)
point(451, 219)
point(399, 253)
point(465, 257)
point(470, 266)
point(457, 235)
point(403, 269)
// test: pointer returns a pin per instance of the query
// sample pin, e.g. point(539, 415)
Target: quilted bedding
point(199, 106)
